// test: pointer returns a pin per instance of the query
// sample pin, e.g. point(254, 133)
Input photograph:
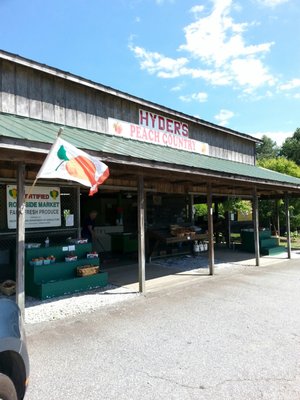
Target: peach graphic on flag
point(65, 161)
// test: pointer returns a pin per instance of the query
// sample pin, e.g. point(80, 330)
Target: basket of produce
point(92, 254)
point(87, 270)
point(70, 258)
point(173, 229)
point(32, 245)
point(52, 259)
point(77, 241)
point(182, 232)
point(37, 261)
point(8, 287)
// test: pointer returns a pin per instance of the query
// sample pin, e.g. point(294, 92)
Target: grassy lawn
point(295, 242)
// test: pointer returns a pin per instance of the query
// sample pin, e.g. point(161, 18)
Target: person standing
point(88, 226)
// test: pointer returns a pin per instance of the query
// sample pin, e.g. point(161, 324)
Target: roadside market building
point(160, 160)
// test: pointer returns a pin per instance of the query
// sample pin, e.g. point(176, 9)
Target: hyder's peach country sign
point(155, 136)
point(42, 206)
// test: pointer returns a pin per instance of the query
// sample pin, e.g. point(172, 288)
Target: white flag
point(65, 161)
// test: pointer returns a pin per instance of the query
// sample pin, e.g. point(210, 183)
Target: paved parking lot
point(232, 336)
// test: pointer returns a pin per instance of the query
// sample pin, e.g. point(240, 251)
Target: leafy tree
point(237, 204)
point(291, 147)
point(200, 210)
point(232, 204)
point(282, 165)
point(267, 149)
point(268, 208)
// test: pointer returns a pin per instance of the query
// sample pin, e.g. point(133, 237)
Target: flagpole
point(20, 233)
point(59, 133)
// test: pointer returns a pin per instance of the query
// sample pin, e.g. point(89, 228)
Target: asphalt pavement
point(232, 336)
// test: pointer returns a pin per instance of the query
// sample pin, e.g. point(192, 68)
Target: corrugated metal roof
point(12, 126)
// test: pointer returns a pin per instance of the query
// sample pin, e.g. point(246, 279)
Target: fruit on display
point(92, 254)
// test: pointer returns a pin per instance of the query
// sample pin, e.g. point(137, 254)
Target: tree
point(268, 208)
point(291, 147)
point(267, 149)
point(282, 165)
point(200, 210)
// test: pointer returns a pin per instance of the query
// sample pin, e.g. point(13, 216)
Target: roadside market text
point(36, 207)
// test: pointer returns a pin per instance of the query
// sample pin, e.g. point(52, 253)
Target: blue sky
point(234, 63)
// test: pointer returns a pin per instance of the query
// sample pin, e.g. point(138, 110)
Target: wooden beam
point(17, 156)
point(211, 254)
point(256, 227)
point(20, 243)
point(141, 234)
point(288, 225)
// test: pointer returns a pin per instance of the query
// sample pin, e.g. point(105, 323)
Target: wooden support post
point(277, 206)
point(141, 233)
point(191, 209)
point(211, 255)
point(228, 215)
point(256, 226)
point(78, 212)
point(20, 239)
point(288, 225)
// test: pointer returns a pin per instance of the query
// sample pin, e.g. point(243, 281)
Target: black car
point(14, 362)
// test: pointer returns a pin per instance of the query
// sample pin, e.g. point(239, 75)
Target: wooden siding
point(36, 94)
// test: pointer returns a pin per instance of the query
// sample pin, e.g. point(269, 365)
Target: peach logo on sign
point(118, 128)
point(13, 193)
point(54, 194)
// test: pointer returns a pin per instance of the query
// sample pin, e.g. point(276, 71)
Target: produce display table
point(157, 237)
point(60, 278)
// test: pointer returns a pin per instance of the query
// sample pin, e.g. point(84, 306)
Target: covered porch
point(142, 168)
point(161, 274)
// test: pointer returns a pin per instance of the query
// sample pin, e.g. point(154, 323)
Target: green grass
point(295, 242)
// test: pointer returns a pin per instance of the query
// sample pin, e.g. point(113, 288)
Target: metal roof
point(114, 92)
point(39, 133)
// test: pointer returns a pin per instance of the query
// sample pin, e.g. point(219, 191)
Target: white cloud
point(272, 3)
point(197, 9)
point(223, 117)
point(137, 19)
point(200, 97)
point(251, 73)
point(155, 63)
point(292, 84)
point(177, 88)
point(216, 38)
point(216, 50)
point(278, 136)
